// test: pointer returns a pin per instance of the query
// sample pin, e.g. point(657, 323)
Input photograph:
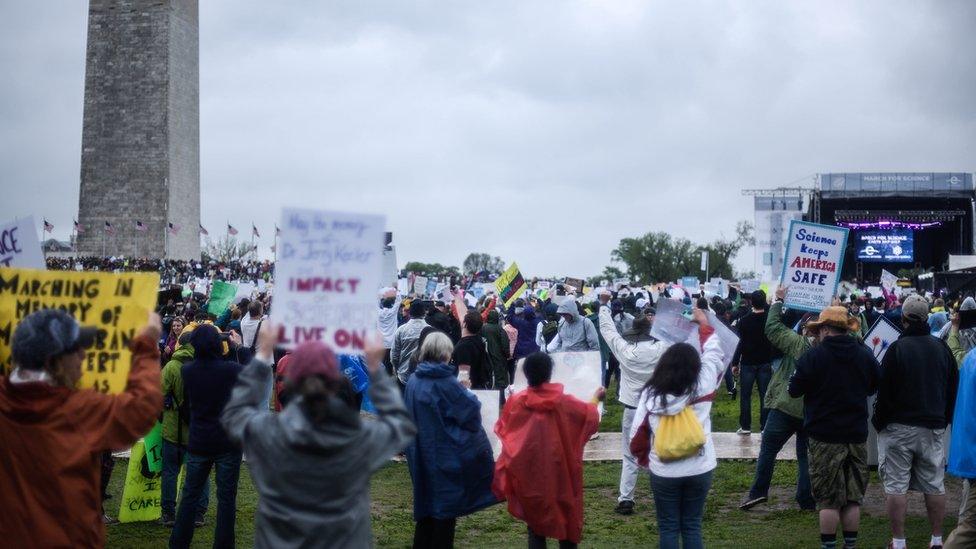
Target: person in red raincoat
point(540, 470)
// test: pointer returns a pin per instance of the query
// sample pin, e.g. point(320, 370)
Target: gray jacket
point(578, 335)
point(313, 480)
point(405, 341)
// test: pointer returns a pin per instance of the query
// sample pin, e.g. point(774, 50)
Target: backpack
point(549, 330)
point(680, 436)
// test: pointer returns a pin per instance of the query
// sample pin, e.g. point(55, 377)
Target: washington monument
point(140, 147)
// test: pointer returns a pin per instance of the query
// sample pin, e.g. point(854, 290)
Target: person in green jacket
point(176, 432)
point(785, 413)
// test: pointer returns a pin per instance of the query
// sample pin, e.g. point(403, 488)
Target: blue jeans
point(228, 469)
point(680, 504)
point(779, 428)
point(174, 455)
point(759, 374)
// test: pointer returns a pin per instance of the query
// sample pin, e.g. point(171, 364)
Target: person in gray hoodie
point(311, 463)
point(575, 332)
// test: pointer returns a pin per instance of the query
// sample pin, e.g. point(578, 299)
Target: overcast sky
point(460, 120)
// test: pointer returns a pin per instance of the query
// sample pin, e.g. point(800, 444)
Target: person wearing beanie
point(916, 398)
point(311, 464)
point(53, 433)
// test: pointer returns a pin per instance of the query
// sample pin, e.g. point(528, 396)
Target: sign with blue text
point(812, 266)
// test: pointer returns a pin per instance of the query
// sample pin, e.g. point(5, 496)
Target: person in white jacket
point(682, 378)
point(638, 353)
point(386, 321)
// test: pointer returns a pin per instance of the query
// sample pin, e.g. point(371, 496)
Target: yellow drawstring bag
point(679, 436)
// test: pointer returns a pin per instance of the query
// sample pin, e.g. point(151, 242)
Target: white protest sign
point(543, 284)
point(328, 269)
point(244, 291)
point(880, 337)
point(489, 416)
point(888, 280)
point(670, 324)
point(403, 286)
point(748, 286)
point(618, 282)
point(723, 286)
point(419, 285)
point(19, 246)
point(728, 339)
point(578, 371)
point(811, 269)
point(262, 285)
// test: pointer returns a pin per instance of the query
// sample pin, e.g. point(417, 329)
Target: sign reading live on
point(19, 246)
point(329, 266)
point(118, 304)
point(812, 266)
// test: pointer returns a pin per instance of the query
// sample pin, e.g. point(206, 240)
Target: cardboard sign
point(670, 323)
point(812, 266)
point(19, 246)
point(576, 283)
point(510, 285)
point(117, 304)
point(142, 493)
point(490, 411)
point(578, 371)
point(328, 269)
point(221, 296)
point(880, 337)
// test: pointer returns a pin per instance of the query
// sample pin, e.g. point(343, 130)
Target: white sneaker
point(744, 432)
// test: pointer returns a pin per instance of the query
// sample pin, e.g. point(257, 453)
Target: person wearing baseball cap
point(311, 464)
point(835, 379)
point(916, 398)
point(53, 433)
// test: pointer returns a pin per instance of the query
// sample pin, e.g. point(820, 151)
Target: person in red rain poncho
point(540, 470)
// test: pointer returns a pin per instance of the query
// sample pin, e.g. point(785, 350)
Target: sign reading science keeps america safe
point(328, 269)
point(812, 266)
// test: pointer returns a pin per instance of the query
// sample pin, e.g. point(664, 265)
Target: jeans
point(779, 428)
point(431, 533)
point(228, 469)
point(680, 503)
point(174, 455)
point(628, 466)
point(610, 369)
point(759, 374)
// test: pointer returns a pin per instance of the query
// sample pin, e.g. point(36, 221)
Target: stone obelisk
point(140, 146)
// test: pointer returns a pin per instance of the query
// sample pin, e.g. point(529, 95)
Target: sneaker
point(751, 502)
point(167, 520)
point(596, 436)
point(625, 507)
point(744, 432)
point(109, 520)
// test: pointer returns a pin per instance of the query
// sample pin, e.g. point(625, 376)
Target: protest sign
point(221, 295)
point(618, 282)
point(576, 283)
point(578, 371)
point(328, 269)
point(490, 410)
point(173, 294)
point(748, 286)
point(142, 492)
point(670, 323)
point(722, 285)
point(431, 287)
point(419, 285)
point(543, 285)
point(812, 266)
point(19, 246)
point(154, 448)
point(262, 286)
point(244, 291)
point(510, 285)
point(403, 286)
point(691, 284)
point(881, 336)
point(728, 340)
point(888, 280)
point(117, 304)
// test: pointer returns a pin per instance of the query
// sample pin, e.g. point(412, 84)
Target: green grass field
point(775, 525)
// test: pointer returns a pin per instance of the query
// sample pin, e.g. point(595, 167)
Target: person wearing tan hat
point(835, 378)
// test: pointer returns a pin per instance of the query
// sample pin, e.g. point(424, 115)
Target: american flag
point(78, 227)
point(203, 231)
point(173, 229)
point(254, 231)
point(108, 227)
point(140, 226)
point(47, 226)
point(231, 230)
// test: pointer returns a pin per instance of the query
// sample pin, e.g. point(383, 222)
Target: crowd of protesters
point(223, 388)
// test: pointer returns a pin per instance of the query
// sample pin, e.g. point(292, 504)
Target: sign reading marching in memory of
point(510, 285)
point(328, 269)
point(117, 304)
point(811, 269)
point(19, 246)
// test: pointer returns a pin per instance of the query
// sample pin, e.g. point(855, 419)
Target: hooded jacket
point(540, 470)
point(173, 431)
point(962, 445)
point(313, 480)
point(835, 379)
point(576, 335)
point(50, 442)
point(450, 460)
point(405, 341)
point(652, 407)
point(792, 345)
point(526, 324)
point(637, 360)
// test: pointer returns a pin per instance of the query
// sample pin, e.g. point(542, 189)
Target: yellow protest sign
point(117, 304)
point(142, 493)
point(510, 285)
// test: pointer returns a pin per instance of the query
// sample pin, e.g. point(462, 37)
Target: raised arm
point(780, 335)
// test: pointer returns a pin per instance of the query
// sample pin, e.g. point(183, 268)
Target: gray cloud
point(542, 132)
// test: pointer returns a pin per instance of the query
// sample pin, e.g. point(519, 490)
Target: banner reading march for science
point(326, 277)
point(812, 266)
point(117, 304)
